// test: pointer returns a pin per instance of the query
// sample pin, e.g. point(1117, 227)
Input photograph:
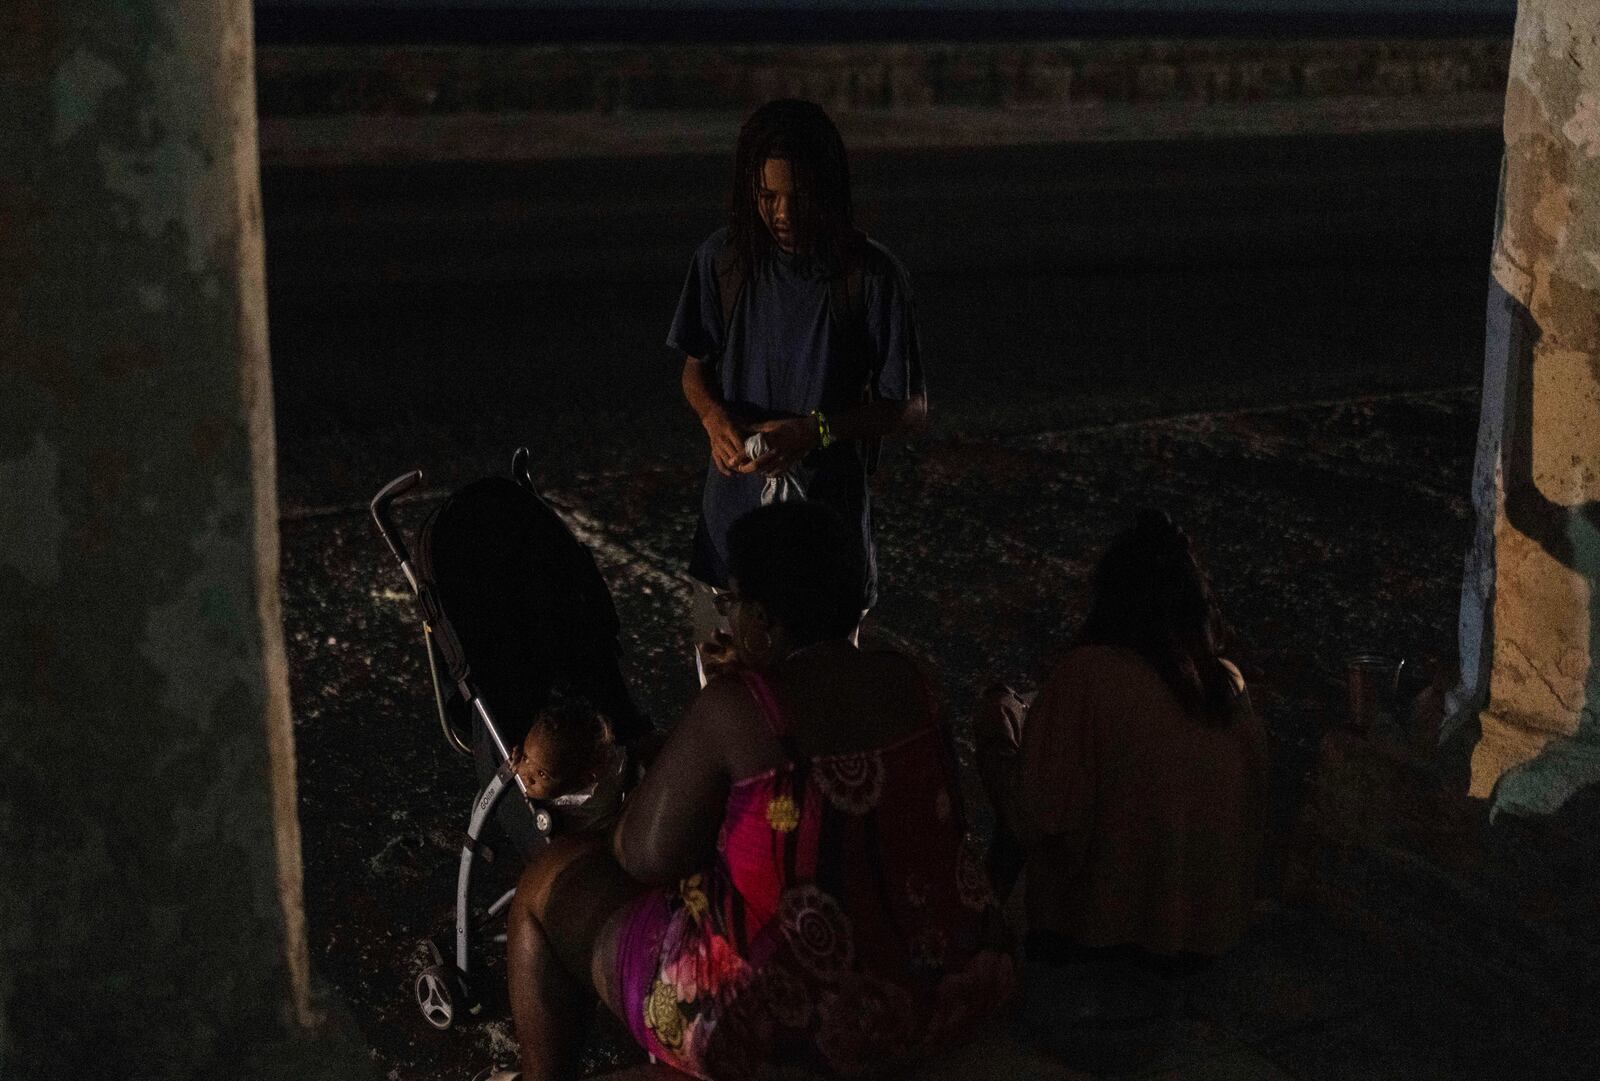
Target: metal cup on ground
point(1373, 683)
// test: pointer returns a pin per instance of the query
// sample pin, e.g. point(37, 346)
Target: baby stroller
point(512, 605)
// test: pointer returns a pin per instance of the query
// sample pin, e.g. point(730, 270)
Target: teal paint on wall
point(143, 928)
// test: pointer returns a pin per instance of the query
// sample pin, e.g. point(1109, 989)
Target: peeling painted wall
point(1531, 598)
point(150, 920)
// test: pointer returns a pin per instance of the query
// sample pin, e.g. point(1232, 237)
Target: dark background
point(1275, 338)
point(791, 20)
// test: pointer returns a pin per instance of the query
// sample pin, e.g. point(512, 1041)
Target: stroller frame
point(442, 987)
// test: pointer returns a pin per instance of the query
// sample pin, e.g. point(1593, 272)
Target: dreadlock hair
point(800, 133)
point(1151, 596)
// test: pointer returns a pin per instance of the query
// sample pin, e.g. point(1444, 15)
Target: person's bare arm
point(997, 733)
point(700, 391)
point(878, 419)
point(669, 824)
point(792, 439)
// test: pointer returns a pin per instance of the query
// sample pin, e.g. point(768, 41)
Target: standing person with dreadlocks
point(797, 328)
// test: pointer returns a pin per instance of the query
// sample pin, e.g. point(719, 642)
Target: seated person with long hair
point(1135, 783)
point(791, 882)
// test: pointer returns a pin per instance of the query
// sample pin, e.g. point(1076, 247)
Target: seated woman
point(815, 902)
point(1135, 783)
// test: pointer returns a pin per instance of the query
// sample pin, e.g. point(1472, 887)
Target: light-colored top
point(1143, 825)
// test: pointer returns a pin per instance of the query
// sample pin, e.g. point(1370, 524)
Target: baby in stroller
point(521, 639)
point(569, 762)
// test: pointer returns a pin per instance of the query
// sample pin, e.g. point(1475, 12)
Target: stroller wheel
point(434, 996)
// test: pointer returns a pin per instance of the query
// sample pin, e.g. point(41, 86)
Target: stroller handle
point(520, 471)
point(380, 514)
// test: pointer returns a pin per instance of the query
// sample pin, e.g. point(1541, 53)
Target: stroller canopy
point(521, 606)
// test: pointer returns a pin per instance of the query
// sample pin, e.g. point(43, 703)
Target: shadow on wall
point(1570, 535)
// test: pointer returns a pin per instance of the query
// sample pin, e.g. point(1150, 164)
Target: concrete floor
point(1310, 420)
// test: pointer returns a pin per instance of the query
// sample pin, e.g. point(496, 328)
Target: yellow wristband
point(824, 436)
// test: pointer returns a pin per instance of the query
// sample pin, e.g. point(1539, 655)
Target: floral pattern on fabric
point(835, 932)
point(867, 1022)
point(692, 891)
point(784, 995)
point(709, 969)
point(853, 783)
point(782, 815)
point(817, 931)
point(741, 1041)
point(662, 1016)
point(972, 881)
point(686, 1006)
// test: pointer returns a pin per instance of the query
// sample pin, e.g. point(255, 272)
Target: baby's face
point(535, 762)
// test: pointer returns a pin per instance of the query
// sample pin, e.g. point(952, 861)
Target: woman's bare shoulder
point(723, 705)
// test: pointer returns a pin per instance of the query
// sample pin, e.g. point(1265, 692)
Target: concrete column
point(150, 903)
point(1538, 483)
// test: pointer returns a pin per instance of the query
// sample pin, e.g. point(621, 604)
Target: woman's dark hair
point(798, 560)
point(800, 133)
point(1151, 596)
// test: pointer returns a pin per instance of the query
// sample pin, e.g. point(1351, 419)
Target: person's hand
point(727, 443)
point(788, 441)
point(997, 740)
point(999, 719)
point(717, 655)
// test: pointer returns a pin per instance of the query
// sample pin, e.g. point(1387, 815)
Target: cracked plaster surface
point(199, 640)
point(1562, 768)
point(165, 167)
point(1566, 409)
point(1584, 126)
point(80, 83)
point(138, 608)
point(1543, 687)
point(31, 531)
point(1520, 662)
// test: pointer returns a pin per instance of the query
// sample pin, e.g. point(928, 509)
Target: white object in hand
point(784, 487)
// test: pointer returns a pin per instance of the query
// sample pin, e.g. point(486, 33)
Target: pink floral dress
point(839, 929)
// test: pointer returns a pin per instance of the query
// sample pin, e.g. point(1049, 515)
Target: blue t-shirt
point(784, 354)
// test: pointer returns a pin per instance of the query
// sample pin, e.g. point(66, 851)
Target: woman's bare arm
point(669, 823)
